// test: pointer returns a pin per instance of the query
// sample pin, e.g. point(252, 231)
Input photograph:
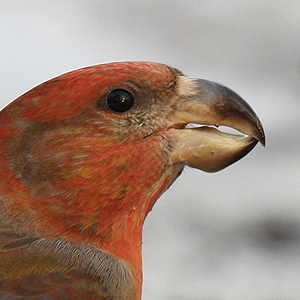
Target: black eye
point(119, 100)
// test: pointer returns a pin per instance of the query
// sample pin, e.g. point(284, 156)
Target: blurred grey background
point(230, 235)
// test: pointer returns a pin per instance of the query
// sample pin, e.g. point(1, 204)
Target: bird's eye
point(119, 100)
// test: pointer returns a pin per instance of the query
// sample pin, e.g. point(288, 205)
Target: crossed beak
point(204, 107)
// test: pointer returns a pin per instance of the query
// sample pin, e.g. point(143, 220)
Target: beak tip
point(261, 134)
point(262, 139)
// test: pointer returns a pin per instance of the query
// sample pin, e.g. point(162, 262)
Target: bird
point(83, 159)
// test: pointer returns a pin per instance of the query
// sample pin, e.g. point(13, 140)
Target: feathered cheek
point(132, 169)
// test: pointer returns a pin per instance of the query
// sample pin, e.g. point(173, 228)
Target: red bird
point(83, 159)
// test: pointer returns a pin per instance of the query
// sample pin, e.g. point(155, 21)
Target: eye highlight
point(120, 101)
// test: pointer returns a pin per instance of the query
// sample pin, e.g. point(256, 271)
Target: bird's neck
point(118, 230)
point(87, 190)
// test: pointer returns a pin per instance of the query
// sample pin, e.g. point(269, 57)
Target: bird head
point(85, 155)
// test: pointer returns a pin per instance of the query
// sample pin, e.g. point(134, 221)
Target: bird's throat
point(98, 193)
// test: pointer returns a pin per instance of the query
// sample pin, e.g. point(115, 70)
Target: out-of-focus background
point(230, 235)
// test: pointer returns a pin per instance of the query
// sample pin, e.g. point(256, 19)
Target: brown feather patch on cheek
point(26, 161)
point(36, 156)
